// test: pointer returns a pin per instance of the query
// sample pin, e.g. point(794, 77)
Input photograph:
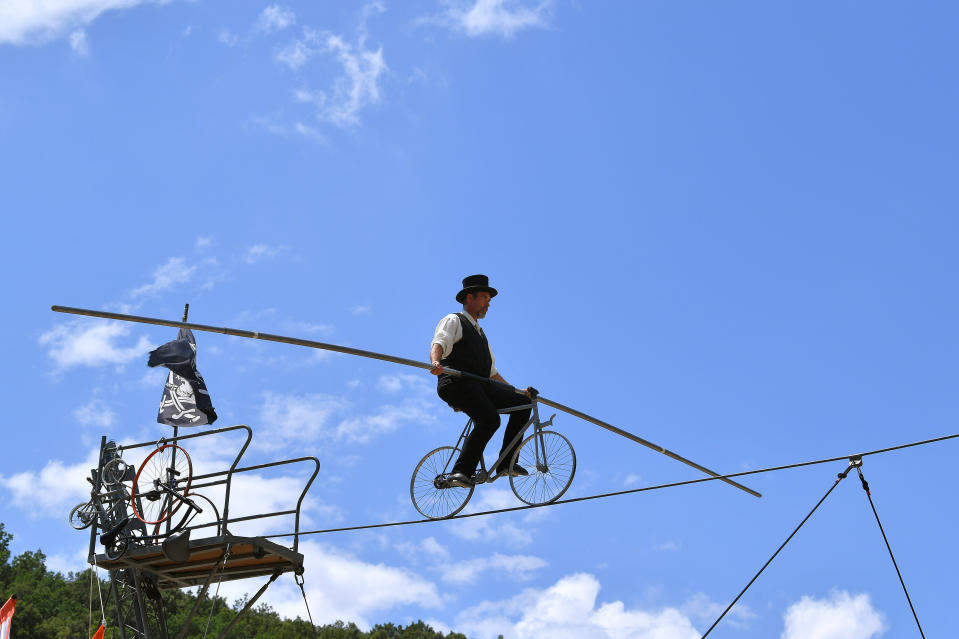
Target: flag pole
point(176, 427)
point(386, 358)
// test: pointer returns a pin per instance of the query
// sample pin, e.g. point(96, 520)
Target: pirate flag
point(185, 401)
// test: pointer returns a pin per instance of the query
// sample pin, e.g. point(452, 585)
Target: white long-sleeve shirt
point(449, 331)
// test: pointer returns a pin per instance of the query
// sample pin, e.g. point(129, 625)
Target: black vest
point(470, 354)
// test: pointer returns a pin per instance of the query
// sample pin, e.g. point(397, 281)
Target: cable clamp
point(854, 462)
point(862, 479)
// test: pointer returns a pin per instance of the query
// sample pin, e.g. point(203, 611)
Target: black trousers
point(480, 401)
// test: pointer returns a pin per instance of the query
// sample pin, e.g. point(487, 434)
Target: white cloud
point(309, 327)
point(227, 37)
point(268, 123)
point(428, 548)
point(396, 383)
point(288, 419)
point(53, 490)
point(79, 43)
point(568, 609)
point(58, 486)
point(355, 89)
point(298, 52)
point(495, 17)
point(77, 562)
point(156, 377)
point(358, 88)
point(92, 344)
point(95, 413)
point(632, 480)
point(275, 18)
point(309, 132)
point(432, 547)
point(706, 611)
point(252, 316)
point(291, 418)
point(259, 252)
point(254, 493)
point(361, 309)
point(276, 125)
point(203, 241)
point(496, 530)
point(385, 420)
point(840, 616)
point(519, 566)
point(340, 586)
point(33, 22)
point(175, 271)
point(352, 91)
point(344, 587)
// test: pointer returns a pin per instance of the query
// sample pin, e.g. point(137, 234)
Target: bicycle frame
point(546, 457)
point(483, 476)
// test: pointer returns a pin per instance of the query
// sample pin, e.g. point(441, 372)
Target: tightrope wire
point(623, 492)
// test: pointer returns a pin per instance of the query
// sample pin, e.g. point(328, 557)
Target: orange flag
point(99, 633)
point(6, 617)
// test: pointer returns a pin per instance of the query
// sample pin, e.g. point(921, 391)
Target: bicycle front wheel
point(167, 469)
point(551, 462)
point(431, 496)
point(83, 515)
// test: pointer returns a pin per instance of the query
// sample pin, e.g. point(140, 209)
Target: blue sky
point(727, 227)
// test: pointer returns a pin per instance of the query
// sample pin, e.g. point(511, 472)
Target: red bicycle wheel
point(164, 475)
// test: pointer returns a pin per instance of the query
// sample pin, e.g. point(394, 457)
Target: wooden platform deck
point(249, 557)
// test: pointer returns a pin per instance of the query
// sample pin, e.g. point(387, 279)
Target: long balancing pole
point(388, 358)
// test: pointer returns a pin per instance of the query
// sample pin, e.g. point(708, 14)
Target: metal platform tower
point(145, 518)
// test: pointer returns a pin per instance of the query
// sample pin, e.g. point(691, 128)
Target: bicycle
point(547, 455)
point(159, 488)
point(107, 506)
point(113, 470)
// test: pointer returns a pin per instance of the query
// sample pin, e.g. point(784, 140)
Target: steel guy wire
point(865, 487)
point(839, 478)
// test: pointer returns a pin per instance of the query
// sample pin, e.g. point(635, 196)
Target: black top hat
point(474, 284)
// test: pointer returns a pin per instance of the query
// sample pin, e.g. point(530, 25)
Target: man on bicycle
point(459, 343)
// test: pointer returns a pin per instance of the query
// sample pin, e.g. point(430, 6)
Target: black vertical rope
point(298, 578)
point(865, 487)
point(839, 478)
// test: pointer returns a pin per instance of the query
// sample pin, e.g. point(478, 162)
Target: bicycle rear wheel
point(166, 468)
point(114, 471)
point(117, 547)
point(551, 462)
point(431, 496)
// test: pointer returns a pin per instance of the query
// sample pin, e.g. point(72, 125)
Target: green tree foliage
point(55, 606)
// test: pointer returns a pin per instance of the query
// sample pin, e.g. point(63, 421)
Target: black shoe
point(460, 480)
point(518, 471)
